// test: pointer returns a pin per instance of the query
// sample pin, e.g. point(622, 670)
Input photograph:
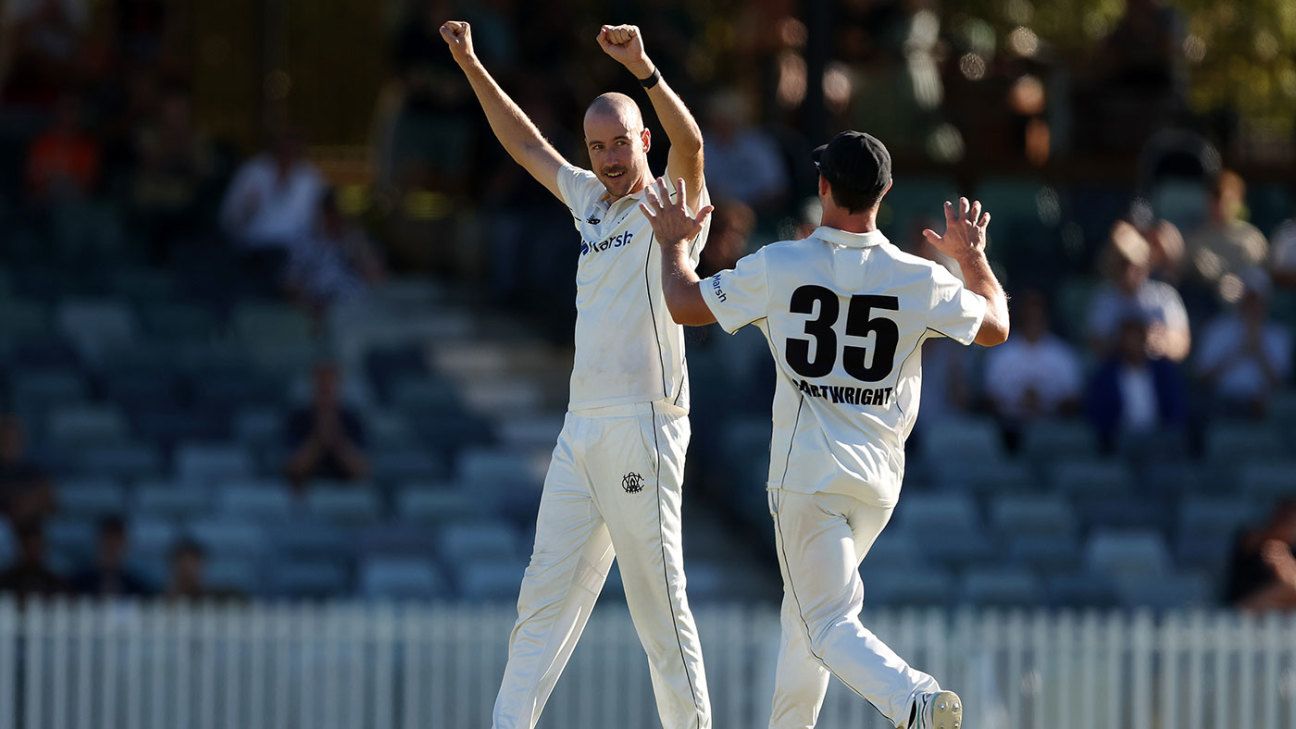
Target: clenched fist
point(458, 35)
point(624, 43)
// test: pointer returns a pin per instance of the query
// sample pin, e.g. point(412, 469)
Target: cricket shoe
point(939, 710)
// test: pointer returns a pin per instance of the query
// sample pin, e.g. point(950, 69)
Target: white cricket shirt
point(845, 315)
point(628, 349)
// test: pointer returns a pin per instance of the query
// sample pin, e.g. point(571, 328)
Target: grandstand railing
point(77, 665)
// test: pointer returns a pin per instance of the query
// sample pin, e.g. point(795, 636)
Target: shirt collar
point(850, 240)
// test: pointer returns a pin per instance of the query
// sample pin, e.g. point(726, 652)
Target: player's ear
point(646, 136)
point(823, 186)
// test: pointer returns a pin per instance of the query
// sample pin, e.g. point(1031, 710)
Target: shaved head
point(618, 144)
point(618, 106)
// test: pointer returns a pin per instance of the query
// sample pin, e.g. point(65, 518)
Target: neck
point(863, 222)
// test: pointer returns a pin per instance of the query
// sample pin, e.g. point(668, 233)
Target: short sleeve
point(955, 312)
point(575, 184)
point(739, 296)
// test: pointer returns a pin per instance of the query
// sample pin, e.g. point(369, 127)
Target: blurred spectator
point(270, 205)
point(732, 225)
point(26, 492)
point(335, 262)
point(1129, 287)
point(1132, 395)
point(42, 41)
point(30, 574)
point(425, 125)
point(1144, 53)
point(187, 581)
point(1262, 570)
point(742, 161)
point(1034, 375)
point(1166, 245)
point(1243, 356)
point(325, 437)
point(63, 162)
point(1225, 245)
point(1282, 256)
point(173, 162)
point(109, 577)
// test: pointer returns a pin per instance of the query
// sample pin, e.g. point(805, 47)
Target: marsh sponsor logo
point(616, 241)
point(719, 292)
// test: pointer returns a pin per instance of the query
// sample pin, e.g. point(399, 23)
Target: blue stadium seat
point(90, 498)
point(423, 503)
point(490, 580)
point(71, 538)
point(404, 464)
point(259, 324)
point(228, 573)
point(401, 579)
point(127, 462)
point(1076, 477)
point(1167, 592)
point(886, 586)
point(1081, 589)
point(897, 548)
point(170, 500)
point(490, 468)
point(36, 391)
point(8, 548)
point(1033, 514)
point(962, 439)
point(309, 539)
point(179, 322)
point(257, 425)
point(482, 540)
point(1047, 440)
point(314, 579)
point(209, 463)
point(932, 513)
point(1047, 552)
point(982, 477)
point(1273, 480)
point(389, 428)
point(354, 504)
point(151, 537)
point(1002, 587)
point(425, 394)
point(21, 318)
point(81, 425)
point(1127, 553)
point(261, 500)
point(98, 328)
point(1228, 443)
point(229, 537)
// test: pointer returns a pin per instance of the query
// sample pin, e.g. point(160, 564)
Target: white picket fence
point(83, 665)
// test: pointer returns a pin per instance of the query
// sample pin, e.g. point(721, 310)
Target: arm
point(674, 228)
point(624, 43)
point(515, 132)
point(965, 241)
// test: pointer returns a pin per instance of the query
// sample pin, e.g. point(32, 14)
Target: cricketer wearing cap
point(846, 314)
point(613, 486)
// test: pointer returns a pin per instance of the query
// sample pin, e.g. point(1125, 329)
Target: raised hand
point(965, 230)
point(624, 43)
point(671, 221)
point(458, 35)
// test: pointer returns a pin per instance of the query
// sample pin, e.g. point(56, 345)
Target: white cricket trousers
point(821, 540)
point(613, 489)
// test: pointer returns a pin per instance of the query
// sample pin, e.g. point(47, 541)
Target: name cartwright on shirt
point(850, 395)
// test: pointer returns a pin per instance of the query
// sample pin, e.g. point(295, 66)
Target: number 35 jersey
point(845, 315)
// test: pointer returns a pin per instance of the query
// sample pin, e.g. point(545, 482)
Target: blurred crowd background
point(278, 317)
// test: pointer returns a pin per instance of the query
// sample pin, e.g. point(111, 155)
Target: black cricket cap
point(854, 162)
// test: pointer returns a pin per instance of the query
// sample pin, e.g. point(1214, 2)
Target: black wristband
point(652, 80)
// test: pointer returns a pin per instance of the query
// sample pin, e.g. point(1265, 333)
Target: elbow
point(992, 333)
